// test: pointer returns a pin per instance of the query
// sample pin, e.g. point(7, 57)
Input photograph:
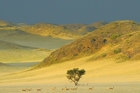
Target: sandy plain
point(100, 75)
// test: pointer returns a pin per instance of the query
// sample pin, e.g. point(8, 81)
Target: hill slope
point(2, 64)
point(10, 52)
point(118, 40)
point(63, 31)
point(7, 45)
point(32, 40)
point(67, 31)
point(90, 27)
point(45, 29)
point(5, 24)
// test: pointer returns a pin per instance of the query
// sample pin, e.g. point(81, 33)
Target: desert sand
point(101, 74)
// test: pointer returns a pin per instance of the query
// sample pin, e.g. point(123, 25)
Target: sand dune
point(96, 71)
point(101, 74)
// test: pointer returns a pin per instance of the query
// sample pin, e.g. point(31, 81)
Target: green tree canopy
point(75, 74)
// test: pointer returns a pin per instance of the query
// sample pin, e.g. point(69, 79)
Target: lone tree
point(75, 74)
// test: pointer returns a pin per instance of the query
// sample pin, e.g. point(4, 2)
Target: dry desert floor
point(102, 76)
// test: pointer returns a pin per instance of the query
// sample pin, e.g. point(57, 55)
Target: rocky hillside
point(118, 40)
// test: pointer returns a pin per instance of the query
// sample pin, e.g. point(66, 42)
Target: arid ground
point(100, 76)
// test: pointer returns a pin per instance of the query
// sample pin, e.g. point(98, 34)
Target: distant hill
point(90, 27)
point(63, 31)
point(32, 40)
point(10, 46)
point(5, 24)
point(10, 52)
point(118, 40)
point(44, 35)
point(44, 29)
point(82, 29)
point(2, 64)
point(73, 27)
point(66, 31)
point(22, 39)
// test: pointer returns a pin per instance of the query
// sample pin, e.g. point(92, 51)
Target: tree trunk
point(76, 83)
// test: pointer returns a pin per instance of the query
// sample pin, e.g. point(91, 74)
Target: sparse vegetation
point(130, 35)
point(122, 58)
point(75, 74)
point(116, 51)
point(75, 54)
point(104, 55)
point(114, 36)
point(112, 39)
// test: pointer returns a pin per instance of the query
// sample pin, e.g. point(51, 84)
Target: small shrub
point(75, 55)
point(114, 36)
point(116, 51)
point(122, 58)
point(104, 55)
point(130, 35)
point(104, 40)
